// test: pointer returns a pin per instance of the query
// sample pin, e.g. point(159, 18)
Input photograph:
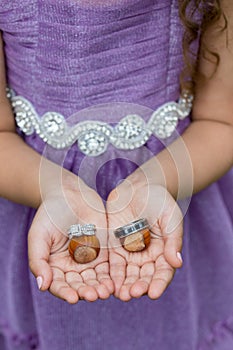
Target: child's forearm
point(22, 179)
point(19, 176)
point(201, 156)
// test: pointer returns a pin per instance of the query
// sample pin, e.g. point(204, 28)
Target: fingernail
point(179, 256)
point(39, 281)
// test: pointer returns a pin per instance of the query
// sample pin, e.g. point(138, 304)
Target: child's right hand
point(151, 270)
point(49, 258)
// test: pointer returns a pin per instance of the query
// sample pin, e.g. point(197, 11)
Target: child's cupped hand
point(115, 270)
point(49, 258)
point(151, 270)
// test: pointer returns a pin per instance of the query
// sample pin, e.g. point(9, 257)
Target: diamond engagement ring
point(78, 230)
point(134, 236)
point(84, 246)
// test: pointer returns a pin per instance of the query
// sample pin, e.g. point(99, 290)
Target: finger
point(74, 279)
point(76, 282)
point(117, 270)
point(141, 286)
point(132, 275)
point(61, 289)
point(84, 291)
point(103, 276)
point(90, 278)
point(161, 279)
point(173, 246)
point(38, 255)
point(172, 230)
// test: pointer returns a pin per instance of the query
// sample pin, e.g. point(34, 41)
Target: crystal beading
point(93, 137)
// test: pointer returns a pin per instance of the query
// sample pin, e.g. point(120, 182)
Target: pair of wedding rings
point(84, 246)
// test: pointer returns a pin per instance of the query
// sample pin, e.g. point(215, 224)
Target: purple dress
point(65, 55)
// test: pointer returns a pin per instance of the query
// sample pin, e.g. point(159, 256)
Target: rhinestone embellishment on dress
point(93, 137)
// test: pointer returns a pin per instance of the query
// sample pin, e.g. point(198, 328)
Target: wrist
point(54, 180)
point(170, 169)
point(151, 173)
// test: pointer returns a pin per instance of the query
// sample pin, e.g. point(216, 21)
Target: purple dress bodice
point(65, 56)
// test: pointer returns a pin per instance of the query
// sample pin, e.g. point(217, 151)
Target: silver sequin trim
point(93, 137)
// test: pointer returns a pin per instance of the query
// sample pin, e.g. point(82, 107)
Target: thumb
point(173, 238)
point(38, 254)
point(172, 250)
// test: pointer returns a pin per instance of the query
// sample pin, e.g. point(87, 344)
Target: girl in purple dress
point(59, 59)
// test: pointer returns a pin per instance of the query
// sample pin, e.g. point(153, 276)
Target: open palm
point(48, 247)
point(151, 270)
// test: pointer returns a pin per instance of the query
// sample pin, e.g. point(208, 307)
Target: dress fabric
point(67, 55)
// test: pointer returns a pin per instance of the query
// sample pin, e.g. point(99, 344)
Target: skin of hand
point(149, 271)
point(48, 244)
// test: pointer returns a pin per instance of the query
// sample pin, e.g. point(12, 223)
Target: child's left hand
point(49, 258)
point(151, 270)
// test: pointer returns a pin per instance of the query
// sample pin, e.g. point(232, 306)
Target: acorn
point(84, 246)
point(136, 242)
point(135, 236)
